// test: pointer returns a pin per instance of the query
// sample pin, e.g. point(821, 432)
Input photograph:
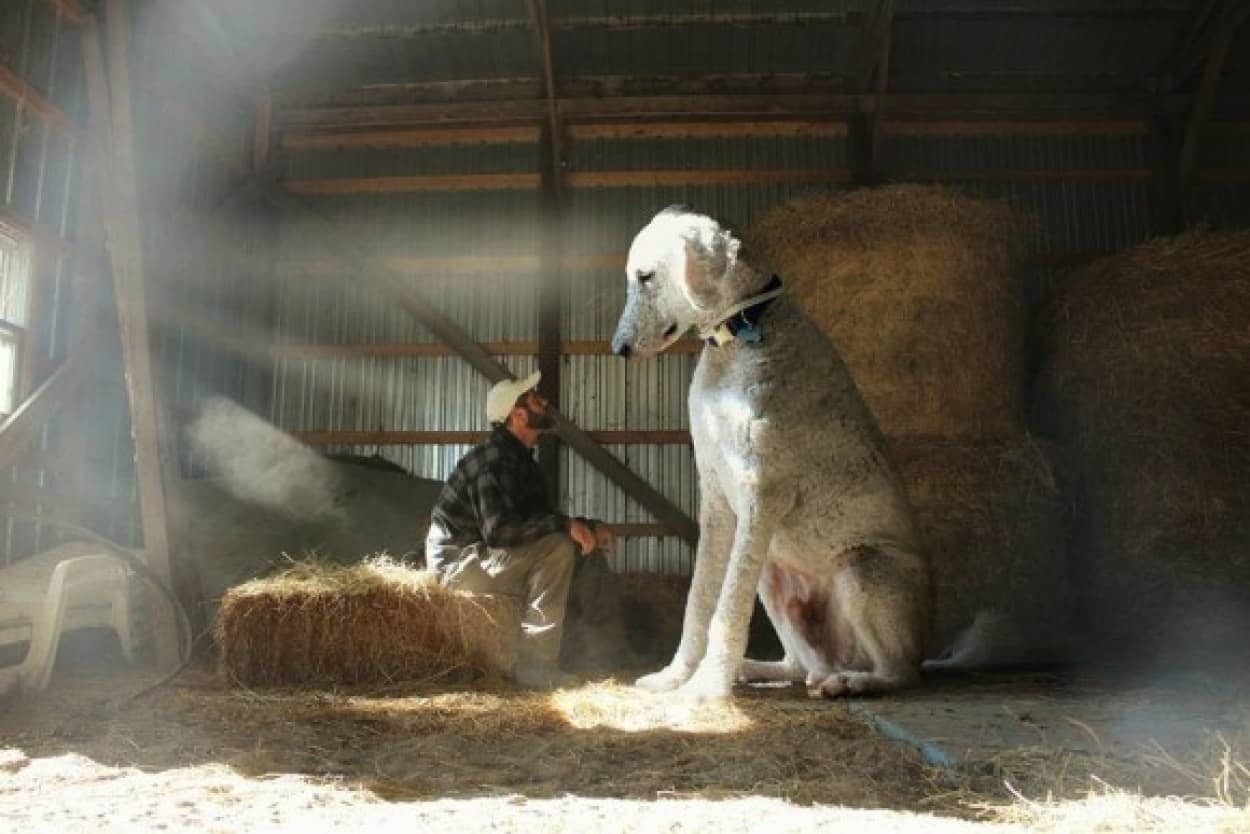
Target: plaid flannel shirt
point(495, 496)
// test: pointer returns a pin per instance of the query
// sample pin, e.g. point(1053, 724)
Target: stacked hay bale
point(374, 622)
point(917, 288)
point(1146, 386)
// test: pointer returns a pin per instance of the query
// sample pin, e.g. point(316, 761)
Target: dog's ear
point(711, 252)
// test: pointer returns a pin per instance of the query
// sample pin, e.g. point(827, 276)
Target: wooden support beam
point(434, 349)
point(46, 239)
point(960, 9)
point(1235, 15)
point(349, 437)
point(408, 138)
point(408, 184)
point(1191, 46)
point(551, 160)
point(262, 133)
point(30, 98)
point(573, 179)
point(114, 155)
point(26, 421)
point(967, 107)
point(346, 246)
point(872, 75)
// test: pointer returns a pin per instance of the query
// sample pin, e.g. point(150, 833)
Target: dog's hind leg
point(884, 600)
point(716, 531)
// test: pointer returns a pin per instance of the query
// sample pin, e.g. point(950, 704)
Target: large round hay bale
point(992, 522)
point(375, 622)
point(916, 287)
point(1146, 386)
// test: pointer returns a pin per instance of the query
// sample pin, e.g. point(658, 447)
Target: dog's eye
point(645, 277)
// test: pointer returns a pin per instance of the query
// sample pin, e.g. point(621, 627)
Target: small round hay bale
point(375, 622)
point(1146, 387)
point(916, 287)
point(992, 523)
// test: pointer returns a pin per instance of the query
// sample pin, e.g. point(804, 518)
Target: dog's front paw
point(708, 686)
point(665, 680)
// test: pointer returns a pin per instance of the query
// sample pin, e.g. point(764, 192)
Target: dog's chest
point(726, 408)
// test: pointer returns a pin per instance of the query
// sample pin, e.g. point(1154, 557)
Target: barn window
point(14, 285)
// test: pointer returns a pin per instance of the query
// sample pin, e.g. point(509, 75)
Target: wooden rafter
point(113, 154)
point(20, 427)
point(1235, 14)
point(1193, 43)
point(961, 9)
point(966, 107)
point(27, 96)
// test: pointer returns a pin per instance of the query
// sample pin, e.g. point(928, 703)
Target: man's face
point(535, 407)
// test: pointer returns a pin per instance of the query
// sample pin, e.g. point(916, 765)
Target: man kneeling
point(493, 530)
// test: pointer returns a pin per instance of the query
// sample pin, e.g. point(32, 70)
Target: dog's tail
point(995, 639)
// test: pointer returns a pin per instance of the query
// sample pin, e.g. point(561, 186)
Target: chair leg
point(46, 632)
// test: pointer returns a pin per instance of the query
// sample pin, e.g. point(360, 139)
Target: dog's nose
point(621, 349)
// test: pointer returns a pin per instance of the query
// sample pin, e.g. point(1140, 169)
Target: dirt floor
point(1025, 751)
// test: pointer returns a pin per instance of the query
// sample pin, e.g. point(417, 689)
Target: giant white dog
point(798, 500)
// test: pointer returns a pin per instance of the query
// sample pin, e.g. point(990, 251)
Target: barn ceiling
point(371, 53)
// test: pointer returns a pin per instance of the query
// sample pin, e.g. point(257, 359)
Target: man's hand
point(582, 535)
point(605, 539)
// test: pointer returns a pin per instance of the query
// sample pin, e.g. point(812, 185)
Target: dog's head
point(684, 268)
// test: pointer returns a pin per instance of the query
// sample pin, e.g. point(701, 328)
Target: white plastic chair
point(76, 585)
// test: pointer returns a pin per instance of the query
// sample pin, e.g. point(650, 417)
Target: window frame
point(18, 334)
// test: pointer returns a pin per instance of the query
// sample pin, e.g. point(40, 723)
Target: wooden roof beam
point(742, 20)
point(1234, 15)
point(28, 96)
point(743, 107)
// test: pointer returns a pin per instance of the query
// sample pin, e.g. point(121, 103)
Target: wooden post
point(551, 213)
point(113, 138)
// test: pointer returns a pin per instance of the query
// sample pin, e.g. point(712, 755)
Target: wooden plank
point(1222, 41)
point(30, 98)
point(945, 107)
point(491, 265)
point(732, 176)
point(575, 179)
point(419, 349)
point(111, 108)
point(1057, 175)
point(348, 437)
point(45, 238)
point(1120, 127)
point(400, 185)
point(346, 245)
point(409, 138)
point(497, 265)
point(638, 531)
point(27, 420)
point(700, 130)
point(261, 134)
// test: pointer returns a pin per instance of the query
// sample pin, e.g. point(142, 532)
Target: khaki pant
point(538, 575)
